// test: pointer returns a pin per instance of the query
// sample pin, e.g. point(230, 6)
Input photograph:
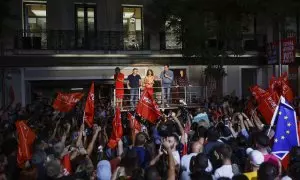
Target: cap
point(104, 170)
point(256, 157)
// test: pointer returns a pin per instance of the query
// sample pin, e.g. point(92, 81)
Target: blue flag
point(286, 135)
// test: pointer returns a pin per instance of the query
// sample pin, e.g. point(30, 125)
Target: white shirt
point(224, 171)
point(286, 178)
point(176, 157)
point(185, 166)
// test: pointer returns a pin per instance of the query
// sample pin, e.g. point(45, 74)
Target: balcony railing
point(74, 40)
point(192, 96)
point(114, 41)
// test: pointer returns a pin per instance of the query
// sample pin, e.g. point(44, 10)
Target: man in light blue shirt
point(167, 77)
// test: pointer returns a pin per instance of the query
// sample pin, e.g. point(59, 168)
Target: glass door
point(85, 25)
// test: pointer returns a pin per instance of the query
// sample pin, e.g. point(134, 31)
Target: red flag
point(117, 131)
point(281, 87)
point(26, 138)
point(257, 92)
point(286, 90)
point(89, 108)
point(66, 162)
point(267, 106)
point(187, 129)
point(66, 102)
point(147, 108)
point(134, 124)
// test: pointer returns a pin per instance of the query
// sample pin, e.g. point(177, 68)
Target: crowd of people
point(219, 141)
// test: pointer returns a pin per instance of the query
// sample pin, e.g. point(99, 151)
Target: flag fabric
point(65, 102)
point(134, 124)
point(257, 92)
point(147, 108)
point(66, 163)
point(89, 109)
point(26, 138)
point(267, 106)
point(281, 87)
point(286, 134)
point(117, 131)
point(187, 129)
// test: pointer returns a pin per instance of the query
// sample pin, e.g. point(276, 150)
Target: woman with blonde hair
point(149, 81)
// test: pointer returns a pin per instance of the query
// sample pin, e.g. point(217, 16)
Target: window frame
point(142, 18)
point(25, 15)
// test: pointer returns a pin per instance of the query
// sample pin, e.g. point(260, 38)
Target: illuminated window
point(35, 17)
point(85, 19)
point(35, 25)
point(133, 27)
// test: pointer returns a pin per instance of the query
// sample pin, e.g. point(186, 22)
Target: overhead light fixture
point(39, 13)
point(76, 89)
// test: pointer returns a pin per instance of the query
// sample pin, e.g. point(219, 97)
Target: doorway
point(249, 78)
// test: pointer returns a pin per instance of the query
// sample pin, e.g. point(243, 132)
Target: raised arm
point(79, 139)
point(171, 161)
point(182, 140)
point(92, 143)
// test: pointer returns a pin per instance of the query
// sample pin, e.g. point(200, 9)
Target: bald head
point(197, 147)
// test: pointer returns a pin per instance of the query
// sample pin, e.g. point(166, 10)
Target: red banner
point(288, 50)
point(66, 102)
point(134, 124)
point(257, 92)
point(147, 108)
point(268, 105)
point(117, 131)
point(89, 108)
point(26, 138)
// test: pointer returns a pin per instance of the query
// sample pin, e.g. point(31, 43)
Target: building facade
point(65, 44)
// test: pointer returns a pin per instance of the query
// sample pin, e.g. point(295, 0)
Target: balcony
point(114, 41)
point(74, 40)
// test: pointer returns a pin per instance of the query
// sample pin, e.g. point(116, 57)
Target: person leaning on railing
point(149, 81)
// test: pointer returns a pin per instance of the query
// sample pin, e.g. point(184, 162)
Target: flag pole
point(274, 116)
point(279, 59)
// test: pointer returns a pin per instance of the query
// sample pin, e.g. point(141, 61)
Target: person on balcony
point(181, 84)
point(133, 84)
point(149, 81)
point(167, 77)
point(119, 85)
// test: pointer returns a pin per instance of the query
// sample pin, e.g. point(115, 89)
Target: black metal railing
point(115, 40)
point(74, 40)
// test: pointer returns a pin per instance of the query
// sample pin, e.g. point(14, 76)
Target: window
point(172, 37)
point(85, 24)
point(35, 17)
point(133, 27)
point(35, 25)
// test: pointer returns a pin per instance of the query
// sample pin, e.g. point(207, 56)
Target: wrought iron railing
point(114, 40)
point(179, 95)
point(73, 40)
